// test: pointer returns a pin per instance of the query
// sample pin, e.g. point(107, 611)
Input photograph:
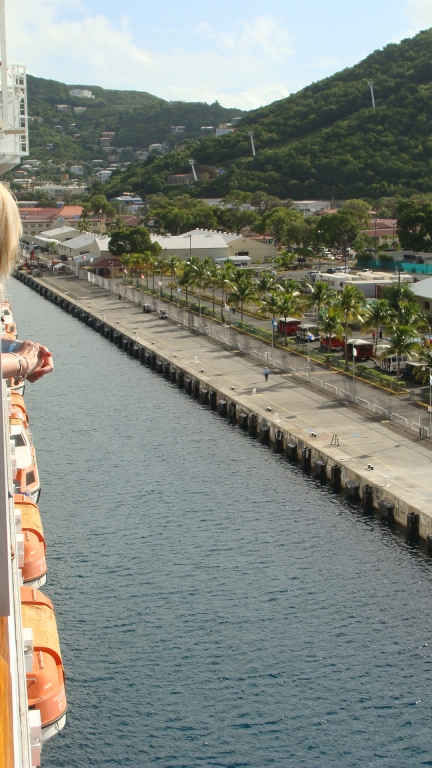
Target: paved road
point(404, 460)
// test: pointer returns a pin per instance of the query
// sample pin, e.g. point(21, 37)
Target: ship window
point(18, 440)
point(30, 477)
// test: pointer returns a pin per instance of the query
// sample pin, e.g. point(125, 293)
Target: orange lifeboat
point(25, 471)
point(46, 681)
point(18, 409)
point(35, 566)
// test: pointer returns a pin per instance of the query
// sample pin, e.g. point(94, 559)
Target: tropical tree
point(352, 305)
point(225, 283)
point(396, 293)
point(290, 304)
point(409, 313)
point(403, 341)
point(287, 225)
point(321, 294)
point(270, 306)
point(424, 357)
point(265, 283)
point(186, 279)
point(214, 280)
point(132, 240)
point(201, 272)
point(377, 315)
point(242, 291)
point(83, 224)
point(332, 323)
point(285, 259)
point(173, 264)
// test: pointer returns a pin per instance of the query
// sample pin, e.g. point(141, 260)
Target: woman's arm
point(29, 360)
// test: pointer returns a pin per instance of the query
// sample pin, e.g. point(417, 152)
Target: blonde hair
point(10, 232)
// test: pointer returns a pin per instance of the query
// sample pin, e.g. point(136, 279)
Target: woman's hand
point(39, 359)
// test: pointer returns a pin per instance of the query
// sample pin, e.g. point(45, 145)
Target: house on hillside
point(81, 93)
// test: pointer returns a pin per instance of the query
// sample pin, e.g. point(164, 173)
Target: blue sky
point(243, 53)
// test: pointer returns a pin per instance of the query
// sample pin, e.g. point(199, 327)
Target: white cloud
point(419, 13)
point(238, 69)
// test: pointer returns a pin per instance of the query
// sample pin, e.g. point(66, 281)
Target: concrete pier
point(386, 467)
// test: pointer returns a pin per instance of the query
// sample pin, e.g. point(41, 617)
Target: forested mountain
point(326, 140)
point(138, 119)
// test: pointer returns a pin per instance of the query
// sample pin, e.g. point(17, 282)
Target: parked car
point(147, 308)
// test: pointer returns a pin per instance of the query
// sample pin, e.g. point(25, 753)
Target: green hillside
point(138, 118)
point(325, 140)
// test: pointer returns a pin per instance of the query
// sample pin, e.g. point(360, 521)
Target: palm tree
point(186, 279)
point(242, 291)
point(173, 264)
point(332, 323)
point(289, 304)
point(214, 280)
point(402, 342)
point(378, 314)
point(352, 305)
point(270, 305)
point(424, 358)
point(265, 284)
point(201, 273)
point(410, 314)
point(225, 283)
point(321, 294)
point(83, 224)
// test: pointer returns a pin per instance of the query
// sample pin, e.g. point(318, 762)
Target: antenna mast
point(371, 85)
point(192, 164)
point(252, 143)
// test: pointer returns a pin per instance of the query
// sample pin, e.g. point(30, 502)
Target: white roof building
point(423, 293)
point(243, 249)
point(84, 243)
point(197, 243)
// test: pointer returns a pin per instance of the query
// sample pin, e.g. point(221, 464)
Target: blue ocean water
point(215, 606)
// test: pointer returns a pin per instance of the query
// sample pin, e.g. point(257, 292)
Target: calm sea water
point(215, 607)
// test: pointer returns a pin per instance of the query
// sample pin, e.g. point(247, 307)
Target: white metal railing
point(361, 394)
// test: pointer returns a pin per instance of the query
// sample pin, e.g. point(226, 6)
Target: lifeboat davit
point(35, 566)
point(46, 681)
point(25, 471)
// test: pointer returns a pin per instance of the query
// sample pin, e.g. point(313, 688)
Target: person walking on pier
point(266, 373)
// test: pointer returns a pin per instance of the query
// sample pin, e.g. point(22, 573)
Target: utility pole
point(371, 86)
point(252, 143)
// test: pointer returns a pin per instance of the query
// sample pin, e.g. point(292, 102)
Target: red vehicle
point(288, 326)
point(364, 349)
point(332, 344)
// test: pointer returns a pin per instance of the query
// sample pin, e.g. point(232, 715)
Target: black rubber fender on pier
point(413, 526)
